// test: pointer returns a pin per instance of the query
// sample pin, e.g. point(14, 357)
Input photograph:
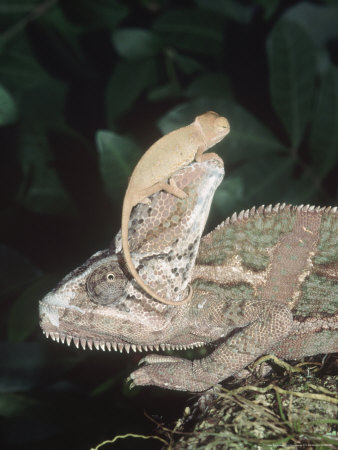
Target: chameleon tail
point(127, 256)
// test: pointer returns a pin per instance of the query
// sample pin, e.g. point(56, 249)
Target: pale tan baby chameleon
point(170, 153)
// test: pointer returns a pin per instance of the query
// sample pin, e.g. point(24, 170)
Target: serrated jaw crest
point(116, 346)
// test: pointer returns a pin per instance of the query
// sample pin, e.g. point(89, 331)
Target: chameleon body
point(173, 151)
point(265, 280)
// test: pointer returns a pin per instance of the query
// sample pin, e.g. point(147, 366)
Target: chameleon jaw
point(54, 326)
point(98, 344)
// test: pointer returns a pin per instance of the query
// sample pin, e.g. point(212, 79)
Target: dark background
point(86, 87)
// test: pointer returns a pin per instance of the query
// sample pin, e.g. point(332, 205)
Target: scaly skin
point(289, 308)
point(264, 281)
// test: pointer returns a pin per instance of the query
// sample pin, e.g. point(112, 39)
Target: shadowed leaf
point(324, 132)
point(98, 14)
point(292, 76)
point(8, 110)
point(268, 179)
point(196, 31)
point(211, 85)
point(229, 8)
point(117, 156)
point(41, 191)
point(124, 87)
point(136, 43)
point(319, 21)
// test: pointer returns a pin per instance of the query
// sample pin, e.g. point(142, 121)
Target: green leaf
point(13, 17)
point(44, 103)
point(192, 30)
point(16, 271)
point(292, 77)
point(166, 91)
point(19, 68)
point(125, 87)
point(303, 190)
point(61, 39)
point(136, 43)
point(248, 138)
point(42, 191)
point(228, 196)
point(324, 132)
point(211, 85)
point(23, 316)
point(266, 181)
point(185, 63)
point(40, 97)
point(8, 110)
point(319, 21)
point(117, 156)
point(229, 8)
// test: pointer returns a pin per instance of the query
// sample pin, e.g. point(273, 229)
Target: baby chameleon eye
point(106, 283)
point(222, 123)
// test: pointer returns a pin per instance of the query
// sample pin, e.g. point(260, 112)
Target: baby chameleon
point(170, 153)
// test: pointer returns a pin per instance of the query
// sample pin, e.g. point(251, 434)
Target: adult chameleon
point(173, 151)
point(264, 281)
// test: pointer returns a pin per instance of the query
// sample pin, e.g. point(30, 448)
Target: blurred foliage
point(85, 88)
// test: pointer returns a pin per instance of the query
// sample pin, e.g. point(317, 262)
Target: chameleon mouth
point(56, 328)
point(115, 346)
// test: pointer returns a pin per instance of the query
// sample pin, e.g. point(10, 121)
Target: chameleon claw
point(130, 380)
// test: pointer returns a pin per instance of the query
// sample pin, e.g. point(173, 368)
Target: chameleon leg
point(170, 187)
point(201, 156)
point(175, 190)
point(268, 323)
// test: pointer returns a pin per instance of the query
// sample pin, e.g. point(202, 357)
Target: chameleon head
point(213, 127)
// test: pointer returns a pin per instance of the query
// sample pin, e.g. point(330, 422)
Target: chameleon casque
point(264, 281)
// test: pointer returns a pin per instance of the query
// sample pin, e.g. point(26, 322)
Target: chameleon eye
point(222, 122)
point(106, 283)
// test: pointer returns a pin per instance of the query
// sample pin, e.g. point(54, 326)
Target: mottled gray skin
point(264, 281)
